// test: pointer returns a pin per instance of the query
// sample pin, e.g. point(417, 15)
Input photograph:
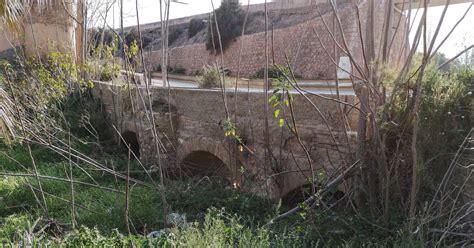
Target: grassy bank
point(215, 216)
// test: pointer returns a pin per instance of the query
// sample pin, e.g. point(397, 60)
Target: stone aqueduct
point(189, 123)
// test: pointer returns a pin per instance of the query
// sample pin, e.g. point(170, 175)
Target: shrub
point(99, 34)
point(226, 71)
point(229, 20)
point(177, 70)
point(172, 70)
point(157, 68)
point(109, 72)
point(210, 78)
point(104, 66)
point(43, 83)
point(195, 25)
point(274, 71)
point(444, 119)
point(174, 35)
point(445, 116)
point(131, 37)
point(218, 230)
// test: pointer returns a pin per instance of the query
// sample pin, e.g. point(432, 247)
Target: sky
point(462, 37)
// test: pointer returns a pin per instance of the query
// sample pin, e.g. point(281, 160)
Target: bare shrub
point(210, 77)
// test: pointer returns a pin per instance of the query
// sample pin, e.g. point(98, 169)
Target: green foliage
point(280, 97)
point(440, 58)
point(131, 38)
point(218, 230)
point(222, 229)
point(195, 25)
point(210, 77)
point(132, 50)
point(178, 70)
point(62, 72)
point(86, 237)
point(230, 19)
point(104, 66)
point(105, 50)
point(194, 201)
point(229, 128)
point(13, 225)
point(109, 72)
point(86, 119)
point(274, 71)
point(219, 217)
point(101, 213)
point(445, 116)
point(100, 208)
point(38, 85)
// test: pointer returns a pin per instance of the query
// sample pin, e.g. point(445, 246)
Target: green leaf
point(282, 121)
point(273, 98)
point(277, 113)
point(287, 103)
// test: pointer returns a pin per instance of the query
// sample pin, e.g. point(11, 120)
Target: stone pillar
point(50, 28)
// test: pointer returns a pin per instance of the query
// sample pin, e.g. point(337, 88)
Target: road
point(314, 87)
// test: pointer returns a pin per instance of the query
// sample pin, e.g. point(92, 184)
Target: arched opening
point(300, 194)
point(205, 164)
point(296, 196)
point(130, 139)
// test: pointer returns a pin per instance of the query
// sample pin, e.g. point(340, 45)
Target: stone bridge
point(193, 142)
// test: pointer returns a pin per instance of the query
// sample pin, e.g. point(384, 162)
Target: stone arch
point(203, 163)
point(131, 139)
point(206, 156)
point(298, 194)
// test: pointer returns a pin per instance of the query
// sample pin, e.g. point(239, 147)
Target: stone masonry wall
point(197, 116)
point(297, 43)
point(278, 5)
point(308, 47)
point(45, 29)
